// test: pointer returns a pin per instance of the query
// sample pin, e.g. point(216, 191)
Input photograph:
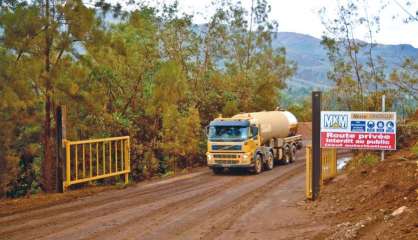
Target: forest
point(153, 74)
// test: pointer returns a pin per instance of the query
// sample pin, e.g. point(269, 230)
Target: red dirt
point(358, 203)
point(194, 206)
point(41, 200)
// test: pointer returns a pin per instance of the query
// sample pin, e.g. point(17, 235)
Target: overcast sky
point(302, 16)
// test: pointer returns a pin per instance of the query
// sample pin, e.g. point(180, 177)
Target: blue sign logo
point(380, 126)
point(370, 126)
point(390, 126)
point(358, 126)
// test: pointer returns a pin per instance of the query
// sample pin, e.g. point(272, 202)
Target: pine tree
point(43, 35)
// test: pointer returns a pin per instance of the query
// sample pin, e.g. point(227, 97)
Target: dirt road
point(195, 206)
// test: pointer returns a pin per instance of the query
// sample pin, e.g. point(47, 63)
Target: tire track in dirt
point(223, 217)
point(170, 209)
point(42, 212)
point(140, 211)
point(181, 222)
point(69, 218)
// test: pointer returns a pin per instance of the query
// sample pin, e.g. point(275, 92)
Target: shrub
point(414, 149)
point(368, 159)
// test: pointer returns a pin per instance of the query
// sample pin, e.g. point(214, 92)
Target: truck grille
point(228, 156)
point(226, 161)
point(227, 147)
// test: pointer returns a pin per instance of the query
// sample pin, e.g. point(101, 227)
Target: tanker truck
point(254, 141)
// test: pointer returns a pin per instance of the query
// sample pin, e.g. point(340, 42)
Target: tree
point(149, 73)
point(359, 75)
point(253, 70)
point(406, 78)
point(43, 35)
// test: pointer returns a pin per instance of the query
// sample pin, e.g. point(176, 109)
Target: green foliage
point(367, 159)
point(359, 72)
point(303, 112)
point(153, 75)
point(28, 177)
point(406, 79)
point(157, 77)
point(414, 149)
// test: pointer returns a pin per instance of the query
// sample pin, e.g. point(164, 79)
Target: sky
point(302, 16)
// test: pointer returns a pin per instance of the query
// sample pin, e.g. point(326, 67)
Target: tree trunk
point(48, 172)
point(48, 180)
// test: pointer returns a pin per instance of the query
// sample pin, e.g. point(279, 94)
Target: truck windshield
point(228, 133)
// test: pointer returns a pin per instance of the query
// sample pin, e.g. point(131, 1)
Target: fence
point(89, 160)
point(328, 167)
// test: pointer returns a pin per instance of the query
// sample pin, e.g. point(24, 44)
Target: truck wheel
point(258, 165)
point(217, 170)
point(270, 161)
point(286, 157)
point(292, 153)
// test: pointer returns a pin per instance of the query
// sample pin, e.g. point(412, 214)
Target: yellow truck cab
point(252, 140)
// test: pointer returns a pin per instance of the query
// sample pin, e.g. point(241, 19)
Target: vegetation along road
point(194, 206)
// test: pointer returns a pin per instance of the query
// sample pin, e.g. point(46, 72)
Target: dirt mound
point(360, 203)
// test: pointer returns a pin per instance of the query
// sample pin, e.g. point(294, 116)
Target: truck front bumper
point(215, 165)
point(229, 160)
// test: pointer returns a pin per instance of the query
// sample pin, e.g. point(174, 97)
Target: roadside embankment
point(371, 200)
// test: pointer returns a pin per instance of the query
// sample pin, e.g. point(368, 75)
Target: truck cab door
point(252, 141)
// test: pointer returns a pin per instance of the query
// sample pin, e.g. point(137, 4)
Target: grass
point(362, 159)
point(369, 159)
point(414, 149)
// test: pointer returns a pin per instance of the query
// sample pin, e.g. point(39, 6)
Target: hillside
point(313, 63)
point(311, 57)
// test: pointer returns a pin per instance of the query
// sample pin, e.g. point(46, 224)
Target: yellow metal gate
point(328, 167)
point(89, 160)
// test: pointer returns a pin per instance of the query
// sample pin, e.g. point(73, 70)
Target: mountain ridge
point(312, 61)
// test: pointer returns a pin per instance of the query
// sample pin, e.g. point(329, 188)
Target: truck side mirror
point(254, 132)
point(206, 130)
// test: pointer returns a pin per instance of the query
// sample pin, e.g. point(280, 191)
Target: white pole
point(382, 154)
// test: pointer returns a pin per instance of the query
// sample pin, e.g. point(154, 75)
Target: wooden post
point(316, 143)
point(60, 132)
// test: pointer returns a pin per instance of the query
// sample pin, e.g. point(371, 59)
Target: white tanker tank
point(273, 124)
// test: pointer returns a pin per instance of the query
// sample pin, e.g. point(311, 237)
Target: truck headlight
point(209, 157)
point(245, 157)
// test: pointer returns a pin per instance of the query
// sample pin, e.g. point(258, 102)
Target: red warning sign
point(358, 130)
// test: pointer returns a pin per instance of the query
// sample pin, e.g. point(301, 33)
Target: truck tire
point(258, 164)
point(292, 153)
point(286, 157)
point(217, 170)
point(270, 161)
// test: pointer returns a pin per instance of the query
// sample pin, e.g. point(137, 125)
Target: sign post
point(316, 140)
point(382, 154)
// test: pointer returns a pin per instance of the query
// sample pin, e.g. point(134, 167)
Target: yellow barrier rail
point(89, 160)
point(308, 176)
point(329, 163)
point(328, 167)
